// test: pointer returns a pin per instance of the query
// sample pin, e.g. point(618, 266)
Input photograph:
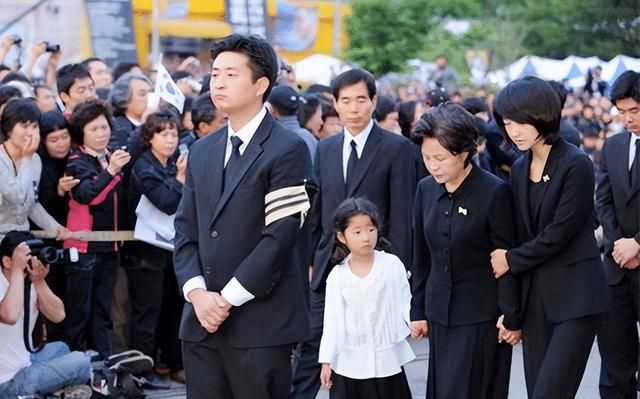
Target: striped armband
point(284, 202)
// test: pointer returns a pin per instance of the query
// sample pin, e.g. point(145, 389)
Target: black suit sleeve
point(402, 191)
point(260, 271)
point(163, 193)
point(503, 233)
point(186, 259)
point(571, 213)
point(421, 261)
point(605, 205)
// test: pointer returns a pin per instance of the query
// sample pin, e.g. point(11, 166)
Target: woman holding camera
point(95, 204)
point(150, 269)
point(20, 170)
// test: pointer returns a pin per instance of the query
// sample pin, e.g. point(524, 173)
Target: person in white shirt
point(53, 366)
point(366, 316)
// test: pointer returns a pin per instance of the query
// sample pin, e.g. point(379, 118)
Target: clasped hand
point(626, 252)
point(211, 308)
point(512, 337)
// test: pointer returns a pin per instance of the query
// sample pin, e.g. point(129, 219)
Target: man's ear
point(262, 84)
point(64, 97)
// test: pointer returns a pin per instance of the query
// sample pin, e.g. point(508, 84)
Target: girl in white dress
point(366, 316)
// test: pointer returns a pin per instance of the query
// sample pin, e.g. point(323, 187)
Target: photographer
point(7, 42)
point(51, 368)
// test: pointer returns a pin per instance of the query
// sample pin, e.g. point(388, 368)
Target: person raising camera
point(54, 366)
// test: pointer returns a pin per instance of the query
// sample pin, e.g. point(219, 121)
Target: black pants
point(215, 369)
point(90, 283)
point(305, 366)
point(555, 354)
point(618, 339)
point(145, 276)
point(392, 387)
point(167, 340)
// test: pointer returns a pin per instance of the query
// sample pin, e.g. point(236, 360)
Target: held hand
point(37, 270)
point(30, 146)
point(181, 165)
point(38, 49)
point(631, 264)
point(325, 375)
point(7, 42)
point(118, 159)
point(62, 233)
point(65, 184)
point(419, 329)
point(624, 250)
point(54, 60)
point(512, 337)
point(499, 262)
point(211, 309)
point(20, 258)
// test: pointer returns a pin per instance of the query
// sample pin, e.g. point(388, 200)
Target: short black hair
point(452, 125)
point(531, 101)
point(17, 111)
point(203, 110)
point(309, 104)
point(263, 61)
point(68, 74)
point(328, 110)
point(406, 115)
point(474, 105)
point(626, 86)
point(318, 89)
point(51, 121)
point(155, 123)
point(15, 76)
point(11, 241)
point(560, 90)
point(384, 106)
point(352, 77)
point(123, 68)
point(7, 93)
point(85, 113)
point(89, 60)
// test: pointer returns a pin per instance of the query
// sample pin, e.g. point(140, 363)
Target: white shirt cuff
point(235, 293)
point(192, 284)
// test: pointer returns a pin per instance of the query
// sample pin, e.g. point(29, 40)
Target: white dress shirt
point(366, 319)
point(632, 148)
point(360, 139)
point(233, 292)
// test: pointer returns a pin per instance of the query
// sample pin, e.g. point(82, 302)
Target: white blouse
point(366, 319)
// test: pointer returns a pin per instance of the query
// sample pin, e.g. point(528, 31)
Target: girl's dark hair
point(452, 125)
point(157, 122)
point(309, 104)
point(85, 113)
point(531, 101)
point(7, 93)
point(346, 210)
point(16, 111)
point(384, 106)
point(51, 121)
point(406, 113)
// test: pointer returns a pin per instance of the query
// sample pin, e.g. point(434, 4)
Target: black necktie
point(351, 165)
point(233, 160)
point(635, 167)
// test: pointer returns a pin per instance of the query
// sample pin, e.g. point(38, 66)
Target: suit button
point(207, 271)
point(214, 234)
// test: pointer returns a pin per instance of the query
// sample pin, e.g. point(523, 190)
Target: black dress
point(454, 288)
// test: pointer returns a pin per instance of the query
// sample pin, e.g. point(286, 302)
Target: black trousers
point(555, 354)
point(468, 362)
point(392, 387)
point(305, 366)
point(215, 369)
point(618, 339)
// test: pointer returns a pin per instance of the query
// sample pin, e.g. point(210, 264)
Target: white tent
point(319, 68)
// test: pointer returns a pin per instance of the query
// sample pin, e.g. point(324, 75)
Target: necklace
point(13, 163)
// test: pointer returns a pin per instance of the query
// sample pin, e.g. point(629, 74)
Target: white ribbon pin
point(462, 210)
point(546, 178)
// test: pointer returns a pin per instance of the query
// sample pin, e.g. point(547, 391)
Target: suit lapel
point(251, 153)
point(334, 169)
point(368, 154)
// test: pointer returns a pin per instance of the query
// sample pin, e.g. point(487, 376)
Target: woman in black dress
point(462, 214)
point(557, 257)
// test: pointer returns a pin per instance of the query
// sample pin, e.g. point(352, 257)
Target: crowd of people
point(317, 229)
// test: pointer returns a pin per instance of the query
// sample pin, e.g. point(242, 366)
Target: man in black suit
point(363, 161)
point(618, 204)
point(241, 210)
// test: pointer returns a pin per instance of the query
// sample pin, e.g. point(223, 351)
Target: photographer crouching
point(53, 367)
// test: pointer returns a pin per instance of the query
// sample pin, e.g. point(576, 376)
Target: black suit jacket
point(617, 202)
point(221, 235)
point(385, 175)
point(559, 261)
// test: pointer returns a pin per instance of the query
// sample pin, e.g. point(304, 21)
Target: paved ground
point(417, 375)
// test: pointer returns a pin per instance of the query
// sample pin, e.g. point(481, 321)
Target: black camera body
point(51, 255)
point(17, 40)
point(52, 48)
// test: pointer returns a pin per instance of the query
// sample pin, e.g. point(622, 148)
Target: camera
point(17, 40)
point(52, 48)
point(51, 255)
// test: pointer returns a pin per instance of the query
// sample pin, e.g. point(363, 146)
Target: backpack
point(118, 377)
